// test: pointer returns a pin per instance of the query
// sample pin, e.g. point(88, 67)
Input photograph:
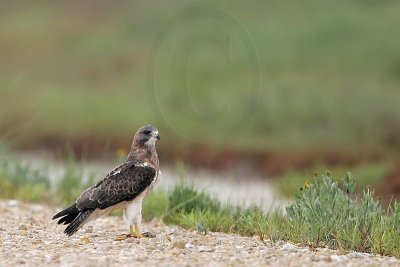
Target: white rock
point(205, 249)
point(279, 243)
point(12, 203)
point(302, 250)
point(358, 255)
point(289, 247)
point(189, 245)
point(339, 258)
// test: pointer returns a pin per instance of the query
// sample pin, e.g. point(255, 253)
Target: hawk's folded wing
point(124, 183)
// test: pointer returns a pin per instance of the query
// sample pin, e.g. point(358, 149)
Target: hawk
point(124, 187)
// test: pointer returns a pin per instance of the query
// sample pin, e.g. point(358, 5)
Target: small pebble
point(205, 249)
point(22, 227)
point(178, 244)
point(189, 245)
point(85, 240)
point(89, 229)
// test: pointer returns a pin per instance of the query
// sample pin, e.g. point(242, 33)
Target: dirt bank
point(264, 162)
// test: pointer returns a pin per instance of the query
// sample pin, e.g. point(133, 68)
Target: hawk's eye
point(147, 132)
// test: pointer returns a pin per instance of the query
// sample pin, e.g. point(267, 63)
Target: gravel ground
point(28, 237)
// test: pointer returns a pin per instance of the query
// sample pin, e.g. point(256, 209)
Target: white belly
point(133, 211)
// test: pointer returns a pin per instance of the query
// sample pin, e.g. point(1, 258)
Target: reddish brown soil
point(389, 188)
point(268, 163)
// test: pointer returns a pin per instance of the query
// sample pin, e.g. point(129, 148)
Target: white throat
point(151, 142)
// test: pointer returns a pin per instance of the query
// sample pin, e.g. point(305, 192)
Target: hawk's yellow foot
point(135, 233)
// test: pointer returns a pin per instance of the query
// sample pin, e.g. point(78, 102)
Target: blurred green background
point(289, 90)
point(255, 76)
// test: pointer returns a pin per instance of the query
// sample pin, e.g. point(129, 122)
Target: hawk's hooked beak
point(156, 135)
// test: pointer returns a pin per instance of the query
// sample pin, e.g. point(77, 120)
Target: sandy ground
point(28, 237)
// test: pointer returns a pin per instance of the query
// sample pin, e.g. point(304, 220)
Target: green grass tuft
point(327, 214)
point(71, 184)
point(366, 175)
point(19, 181)
point(155, 205)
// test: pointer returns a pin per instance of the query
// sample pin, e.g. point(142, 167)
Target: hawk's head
point(147, 136)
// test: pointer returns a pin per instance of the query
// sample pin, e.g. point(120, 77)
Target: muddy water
point(228, 188)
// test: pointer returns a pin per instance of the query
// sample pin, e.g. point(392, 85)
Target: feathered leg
point(133, 217)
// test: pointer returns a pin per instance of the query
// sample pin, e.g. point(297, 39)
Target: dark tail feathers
point(74, 226)
point(73, 217)
point(68, 211)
